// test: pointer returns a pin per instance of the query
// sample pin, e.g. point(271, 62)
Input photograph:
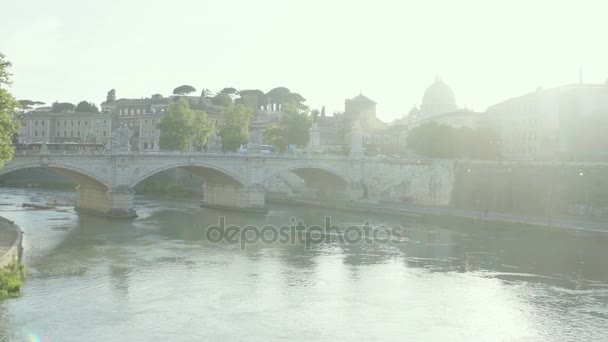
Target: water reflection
point(158, 277)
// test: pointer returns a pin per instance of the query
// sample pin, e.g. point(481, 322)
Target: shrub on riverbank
point(11, 279)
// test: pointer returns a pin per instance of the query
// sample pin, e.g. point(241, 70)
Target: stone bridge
point(240, 181)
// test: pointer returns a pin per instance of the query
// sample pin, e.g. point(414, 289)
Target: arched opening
point(219, 188)
point(51, 176)
point(309, 182)
point(93, 195)
point(185, 179)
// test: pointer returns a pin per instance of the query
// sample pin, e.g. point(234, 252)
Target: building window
point(65, 123)
point(43, 133)
point(71, 133)
point(86, 122)
point(35, 123)
point(35, 133)
point(72, 123)
point(65, 134)
point(78, 123)
point(43, 123)
point(57, 133)
point(57, 123)
point(104, 133)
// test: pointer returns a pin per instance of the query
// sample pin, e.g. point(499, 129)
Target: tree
point(432, 140)
point(291, 129)
point(181, 127)
point(442, 141)
point(29, 104)
point(202, 129)
point(235, 128)
point(221, 100)
point(296, 100)
point(63, 107)
point(205, 93)
point(111, 96)
point(275, 135)
point(8, 127)
point(278, 96)
point(86, 107)
point(229, 91)
point(252, 98)
point(184, 90)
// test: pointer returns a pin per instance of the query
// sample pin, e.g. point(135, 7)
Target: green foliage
point(5, 74)
point(182, 127)
point(86, 107)
point(111, 96)
point(229, 91)
point(29, 104)
point(184, 90)
point(222, 100)
point(205, 93)
point(11, 279)
point(8, 127)
point(291, 129)
point(442, 141)
point(63, 107)
point(235, 128)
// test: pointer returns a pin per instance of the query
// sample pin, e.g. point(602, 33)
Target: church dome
point(438, 99)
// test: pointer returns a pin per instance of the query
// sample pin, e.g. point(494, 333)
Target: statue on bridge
point(120, 139)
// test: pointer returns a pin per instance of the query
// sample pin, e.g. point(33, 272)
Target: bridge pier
point(97, 200)
point(233, 197)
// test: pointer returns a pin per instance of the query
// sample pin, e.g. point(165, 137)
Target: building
point(140, 116)
point(439, 106)
point(40, 126)
point(438, 99)
point(359, 114)
point(563, 123)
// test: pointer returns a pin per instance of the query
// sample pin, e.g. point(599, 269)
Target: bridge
point(239, 181)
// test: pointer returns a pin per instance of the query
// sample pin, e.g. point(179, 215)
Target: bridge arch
point(209, 172)
point(316, 176)
point(78, 175)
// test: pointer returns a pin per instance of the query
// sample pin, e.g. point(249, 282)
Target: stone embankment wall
point(532, 189)
point(10, 242)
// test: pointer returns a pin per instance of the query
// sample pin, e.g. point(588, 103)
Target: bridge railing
point(292, 155)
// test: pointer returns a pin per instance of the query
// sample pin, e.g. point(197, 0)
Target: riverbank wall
point(11, 242)
point(533, 189)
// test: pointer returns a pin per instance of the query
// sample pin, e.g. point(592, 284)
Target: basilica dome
point(438, 99)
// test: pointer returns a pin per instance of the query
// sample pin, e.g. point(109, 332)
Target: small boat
point(37, 206)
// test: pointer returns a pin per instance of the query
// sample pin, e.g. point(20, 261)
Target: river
point(159, 278)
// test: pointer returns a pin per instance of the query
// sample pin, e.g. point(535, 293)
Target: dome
point(438, 99)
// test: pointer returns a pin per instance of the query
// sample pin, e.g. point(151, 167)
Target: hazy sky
point(486, 51)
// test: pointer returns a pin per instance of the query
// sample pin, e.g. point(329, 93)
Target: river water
point(158, 278)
